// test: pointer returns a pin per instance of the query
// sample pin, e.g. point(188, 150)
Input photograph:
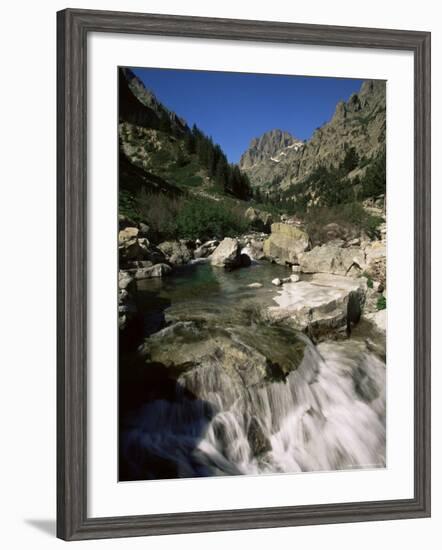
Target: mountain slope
point(156, 140)
point(358, 125)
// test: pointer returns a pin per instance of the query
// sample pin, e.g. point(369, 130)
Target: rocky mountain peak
point(358, 122)
point(269, 146)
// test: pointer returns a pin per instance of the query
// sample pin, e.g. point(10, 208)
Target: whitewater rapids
point(328, 414)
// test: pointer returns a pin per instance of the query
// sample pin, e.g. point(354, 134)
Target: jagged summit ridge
point(269, 146)
point(359, 122)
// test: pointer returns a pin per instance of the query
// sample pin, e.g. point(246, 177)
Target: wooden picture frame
point(73, 27)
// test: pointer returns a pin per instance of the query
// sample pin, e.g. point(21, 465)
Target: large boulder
point(226, 253)
point(330, 258)
point(176, 252)
point(127, 234)
point(325, 305)
point(285, 243)
point(158, 270)
point(131, 246)
point(213, 359)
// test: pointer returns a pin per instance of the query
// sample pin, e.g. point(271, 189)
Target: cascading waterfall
point(328, 414)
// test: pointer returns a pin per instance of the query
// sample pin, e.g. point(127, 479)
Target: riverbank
point(223, 380)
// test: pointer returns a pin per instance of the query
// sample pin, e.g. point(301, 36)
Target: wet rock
point(276, 281)
point(184, 346)
point(255, 285)
point(205, 357)
point(244, 260)
point(259, 443)
point(158, 270)
point(226, 254)
point(285, 243)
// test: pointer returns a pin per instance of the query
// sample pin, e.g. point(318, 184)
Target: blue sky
point(234, 108)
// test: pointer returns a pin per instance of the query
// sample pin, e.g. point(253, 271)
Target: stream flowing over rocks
point(230, 374)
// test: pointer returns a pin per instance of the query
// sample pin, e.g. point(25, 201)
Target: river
point(220, 391)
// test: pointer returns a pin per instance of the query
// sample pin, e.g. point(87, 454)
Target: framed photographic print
point(243, 274)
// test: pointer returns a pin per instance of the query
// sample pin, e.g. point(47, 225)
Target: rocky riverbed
point(331, 287)
point(252, 354)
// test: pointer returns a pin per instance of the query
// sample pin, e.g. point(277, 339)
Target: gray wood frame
point(73, 27)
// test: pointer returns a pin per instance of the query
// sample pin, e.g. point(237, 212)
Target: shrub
point(199, 218)
point(381, 303)
point(127, 205)
point(159, 211)
point(176, 217)
point(351, 217)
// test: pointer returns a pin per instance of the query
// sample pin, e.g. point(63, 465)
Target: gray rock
point(127, 234)
point(176, 252)
point(277, 281)
point(259, 219)
point(259, 443)
point(326, 304)
point(205, 249)
point(333, 259)
point(125, 281)
point(144, 229)
point(158, 270)
point(254, 249)
point(286, 243)
point(379, 319)
point(376, 261)
point(226, 254)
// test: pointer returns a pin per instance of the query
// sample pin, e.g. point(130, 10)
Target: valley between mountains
point(252, 297)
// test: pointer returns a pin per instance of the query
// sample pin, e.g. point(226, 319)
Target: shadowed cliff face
point(360, 123)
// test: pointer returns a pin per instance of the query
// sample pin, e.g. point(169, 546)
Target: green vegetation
point(373, 182)
point(183, 216)
point(349, 217)
point(127, 205)
point(369, 279)
point(226, 177)
point(207, 218)
point(381, 303)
